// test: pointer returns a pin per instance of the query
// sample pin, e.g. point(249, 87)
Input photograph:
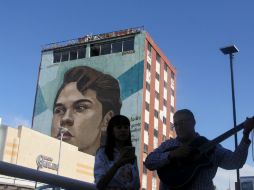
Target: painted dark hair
point(106, 87)
point(110, 141)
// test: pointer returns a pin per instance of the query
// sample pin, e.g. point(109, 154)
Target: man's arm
point(232, 160)
point(159, 157)
point(236, 159)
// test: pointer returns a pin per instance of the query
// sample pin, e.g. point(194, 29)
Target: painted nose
point(67, 119)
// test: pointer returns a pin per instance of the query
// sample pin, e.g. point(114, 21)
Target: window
point(158, 57)
point(164, 120)
point(155, 133)
point(145, 148)
point(116, 47)
point(156, 113)
point(157, 95)
point(164, 138)
point(172, 92)
point(81, 52)
point(172, 75)
point(155, 142)
point(144, 181)
point(65, 56)
point(95, 50)
point(172, 109)
point(165, 102)
point(154, 173)
point(157, 76)
point(149, 50)
point(128, 44)
point(144, 169)
point(165, 84)
point(146, 126)
point(69, 54)
point(105, 49)
point(57, 57)
point(148, 66)
point(73, 54)
point(147, 86)
point(171, 125)
point(149, 47)
point(165, 67)
point(154, 183)
point(247, 185)
point(147, 106)
point(112, 47)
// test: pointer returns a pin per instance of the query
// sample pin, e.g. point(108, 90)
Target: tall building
point(146, 78)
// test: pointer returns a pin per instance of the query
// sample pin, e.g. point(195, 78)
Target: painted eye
point(81, 107)
point(59, 110)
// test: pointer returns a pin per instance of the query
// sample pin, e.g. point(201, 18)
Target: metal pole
point(59, 155)
point(231, 56)
point(35, 186)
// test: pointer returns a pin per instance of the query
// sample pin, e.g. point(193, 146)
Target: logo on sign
point(46, 162)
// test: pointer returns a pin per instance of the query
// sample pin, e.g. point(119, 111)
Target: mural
point(84, 104)
point(83, 94)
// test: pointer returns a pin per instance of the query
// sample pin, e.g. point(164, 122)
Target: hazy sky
point(190, 34)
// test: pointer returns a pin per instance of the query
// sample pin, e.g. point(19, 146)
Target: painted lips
point(66, 136)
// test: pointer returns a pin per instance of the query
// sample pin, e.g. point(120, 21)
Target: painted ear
point(106, 119)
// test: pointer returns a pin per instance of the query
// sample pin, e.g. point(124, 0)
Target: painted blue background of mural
point(132, 80)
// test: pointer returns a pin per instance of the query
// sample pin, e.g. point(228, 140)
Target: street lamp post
point(230, 50)
point(62, 130)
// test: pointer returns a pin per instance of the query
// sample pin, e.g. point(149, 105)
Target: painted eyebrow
point(58, 105)
point(77, 102)
point(83, 100)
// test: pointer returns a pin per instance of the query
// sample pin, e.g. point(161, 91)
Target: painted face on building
point(81, 114)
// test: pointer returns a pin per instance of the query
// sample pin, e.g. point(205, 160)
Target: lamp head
point(229, 49)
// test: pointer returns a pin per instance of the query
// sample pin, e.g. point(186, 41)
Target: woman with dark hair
point(115, 165)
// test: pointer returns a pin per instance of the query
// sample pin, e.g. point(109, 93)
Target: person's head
point(184, 124)
point(118, 131)
point(84, 104)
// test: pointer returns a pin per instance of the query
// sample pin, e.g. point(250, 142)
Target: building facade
point(32, 149)
point(146, 78)
point(247, 182)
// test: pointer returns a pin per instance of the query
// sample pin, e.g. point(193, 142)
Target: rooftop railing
point(90, 38)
